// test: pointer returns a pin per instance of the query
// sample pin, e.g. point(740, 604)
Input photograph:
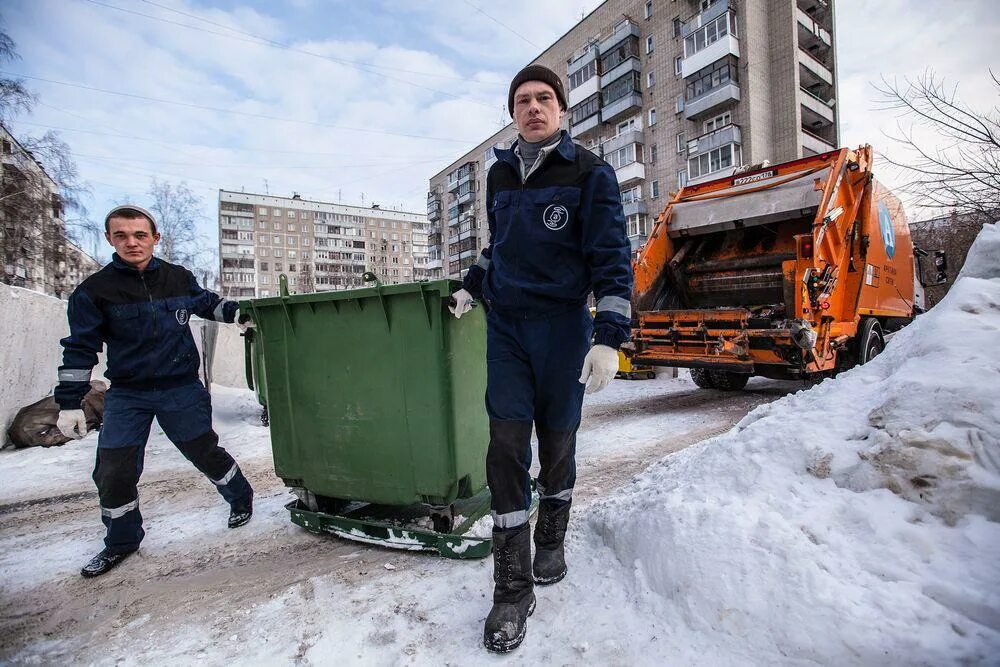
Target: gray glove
point(72, 423)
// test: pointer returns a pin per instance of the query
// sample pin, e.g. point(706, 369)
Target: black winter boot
point(103, 562)
point(513, 595)
point(550, 532)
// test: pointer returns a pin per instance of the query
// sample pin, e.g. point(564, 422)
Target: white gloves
point(463, 303)
point(72, 423)
point(246, 322)
point(599, 367)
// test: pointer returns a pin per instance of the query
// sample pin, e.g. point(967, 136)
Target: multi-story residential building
point(35, 251)
point(668, 93)
point(319, 246)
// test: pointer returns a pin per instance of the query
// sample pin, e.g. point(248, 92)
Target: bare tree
point(15, 98)
point(963, 175)
point(178, 210)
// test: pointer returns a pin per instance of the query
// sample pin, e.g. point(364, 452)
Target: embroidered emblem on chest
point(555, 216)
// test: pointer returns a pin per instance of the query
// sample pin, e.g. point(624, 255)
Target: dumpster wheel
point(407, 527)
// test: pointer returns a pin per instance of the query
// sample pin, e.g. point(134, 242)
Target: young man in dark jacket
point(139, 307)
point(557, 233)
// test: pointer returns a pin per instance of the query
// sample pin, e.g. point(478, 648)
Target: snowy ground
point(853, 523)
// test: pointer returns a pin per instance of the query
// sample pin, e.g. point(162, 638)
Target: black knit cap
point(536, 73)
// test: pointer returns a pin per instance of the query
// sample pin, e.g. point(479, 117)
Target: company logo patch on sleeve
point(555, 216)
point(182, 315)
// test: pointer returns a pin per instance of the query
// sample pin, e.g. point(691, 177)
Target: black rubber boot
point(513, 595)
point(550, 532)
point(240, 514)
point(103, 562)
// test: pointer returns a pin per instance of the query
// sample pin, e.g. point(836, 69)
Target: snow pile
point(848, 524)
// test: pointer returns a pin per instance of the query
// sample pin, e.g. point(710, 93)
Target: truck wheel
point(728, 380)
point(702, 378)
point(870, 341)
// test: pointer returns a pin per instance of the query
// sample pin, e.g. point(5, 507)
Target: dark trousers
point(185, 415)
point(533, 370)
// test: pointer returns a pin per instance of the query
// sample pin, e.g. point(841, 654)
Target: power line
point(498, 22)
point(253, 165)
point(246, 114)
point(264, 41)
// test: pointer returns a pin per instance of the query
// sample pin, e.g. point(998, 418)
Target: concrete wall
point(30, 328)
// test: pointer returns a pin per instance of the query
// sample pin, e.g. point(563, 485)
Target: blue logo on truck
point(888, 235)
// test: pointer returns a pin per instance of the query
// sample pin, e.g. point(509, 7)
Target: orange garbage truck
point(795, 270)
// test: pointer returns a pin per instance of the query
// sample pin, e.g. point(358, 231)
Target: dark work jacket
point(554, 239)
point(143, 320)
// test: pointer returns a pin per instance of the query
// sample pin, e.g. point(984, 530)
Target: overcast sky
point(364, 101)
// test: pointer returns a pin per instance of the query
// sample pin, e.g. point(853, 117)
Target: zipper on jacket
point(149, 296)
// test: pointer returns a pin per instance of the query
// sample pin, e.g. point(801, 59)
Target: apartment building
point(35, 251)
point(319, 246)
point(668, 93)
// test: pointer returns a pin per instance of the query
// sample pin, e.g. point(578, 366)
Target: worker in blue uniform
point(138, 307)
point(556, 235)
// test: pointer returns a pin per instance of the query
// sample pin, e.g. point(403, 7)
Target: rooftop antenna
point(362, 198)
point(340, 197)
point(266, 191)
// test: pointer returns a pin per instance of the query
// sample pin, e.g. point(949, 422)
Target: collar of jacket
point(122, 265)
point(566, 148)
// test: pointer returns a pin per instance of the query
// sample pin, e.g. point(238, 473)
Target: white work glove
point(463, 303)
point(246, 323)
point(599, 367)
point(72, 423)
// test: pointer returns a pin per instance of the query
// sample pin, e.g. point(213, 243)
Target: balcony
point(814, 143)
point(630, 173)
point(622, 140)
point(720, 48)
point(815, 111)
point(467, 197)
point(709, 102)
point(622, 31)
point(812, 35)
point(623, 68)
point(634, 207)
point(813, 72)
point(630, 103)
point(727, 134)
point(716, 10)
point(237, 251)
point(589, 87)
point(585, 125)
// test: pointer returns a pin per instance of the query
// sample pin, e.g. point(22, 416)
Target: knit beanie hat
point(536, 73)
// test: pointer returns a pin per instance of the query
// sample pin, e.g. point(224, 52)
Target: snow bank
point(848, 524)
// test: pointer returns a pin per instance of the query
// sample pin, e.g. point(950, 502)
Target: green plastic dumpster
point(375, 396)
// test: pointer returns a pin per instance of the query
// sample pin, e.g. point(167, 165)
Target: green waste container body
point(375, 394)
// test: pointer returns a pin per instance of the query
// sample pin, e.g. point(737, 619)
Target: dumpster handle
point(427, 307)
point(283, 291)
point(370, 277)
point(248, 356)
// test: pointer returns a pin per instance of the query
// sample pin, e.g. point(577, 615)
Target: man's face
point(536, 110)
point(133, 239)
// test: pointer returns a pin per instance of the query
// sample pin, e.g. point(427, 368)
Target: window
point(626, 126)
point(277, 240)
point(291, 227)
point(714, 160)
point(277, 253)
point(708, 34)
point(709, 78)
point(307, 241)
point(279, 267)
point(652, 154)
point(678, 65)
point(291, 214)
point(621, 87)
point(292, 240)
point(265, 280)
point(632, 195)
point(263, 266)
point(262, 225)
point(262, 211)
point(277, 226)
point(680, 103)
point(305, 255)
point(638, 225)
point(654, 189)
point(291, 268)
point(718, 122)
point(681, 144)
point(291, 254)
point(649, 10)
point(622, 157)
point(262, 252)
point(616, 55)
point(649, 44)
point(585, 109)
point(677, 26)
point(650, 79)
point(652, 117)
